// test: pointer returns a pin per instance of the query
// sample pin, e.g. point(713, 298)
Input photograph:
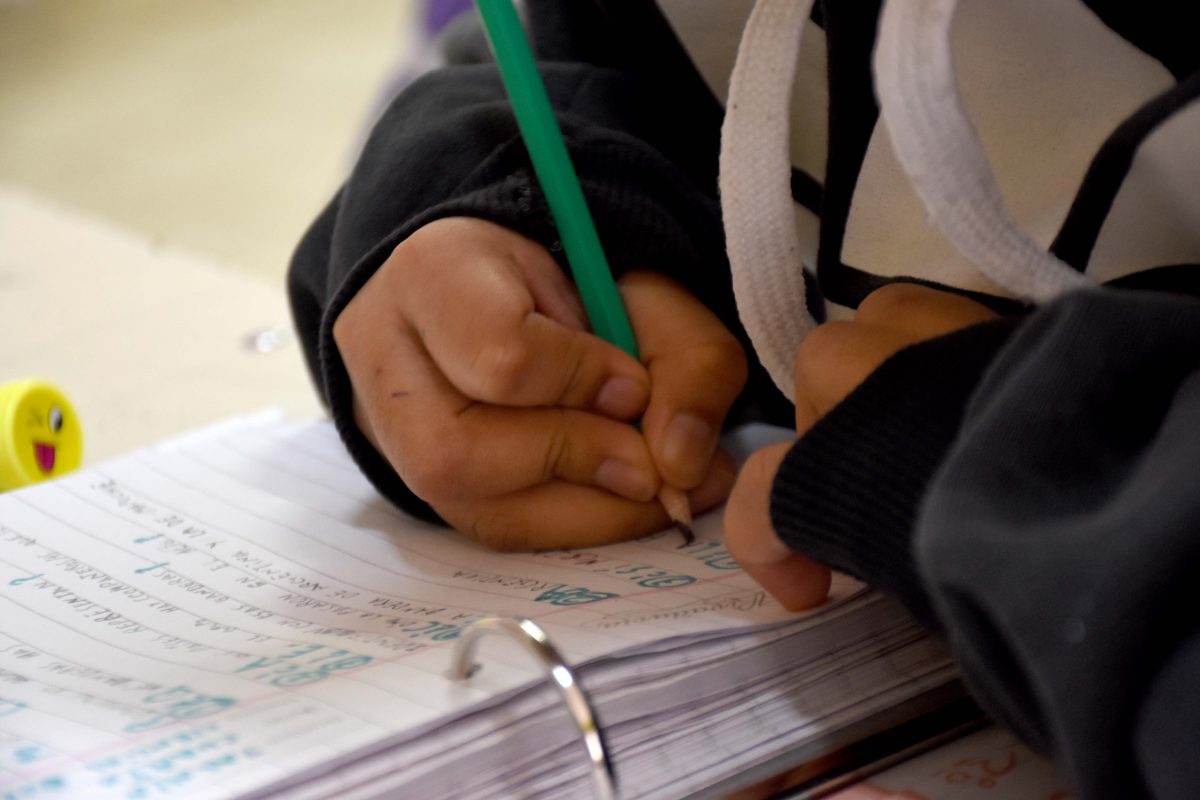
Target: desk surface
point(148, 342)
point(144, 340)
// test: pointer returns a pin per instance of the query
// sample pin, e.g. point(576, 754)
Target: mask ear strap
point(756, 191)
point(940, 151)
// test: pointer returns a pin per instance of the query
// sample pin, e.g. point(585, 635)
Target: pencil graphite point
point(679, 510)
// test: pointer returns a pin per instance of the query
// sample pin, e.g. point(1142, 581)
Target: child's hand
point(832, 362)
point(474, 377)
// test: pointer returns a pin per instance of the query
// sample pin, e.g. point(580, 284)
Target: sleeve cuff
point(848, 492)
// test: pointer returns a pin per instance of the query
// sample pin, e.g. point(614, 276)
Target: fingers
point(559, 515)
point(796, 582)
point(503, 325)
point(697, 368)
point(473, 376)
point(450, 449)
point(465, 310)
point(491, 451)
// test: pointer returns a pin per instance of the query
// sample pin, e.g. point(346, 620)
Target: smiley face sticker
point(40, 436)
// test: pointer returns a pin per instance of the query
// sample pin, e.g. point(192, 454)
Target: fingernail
point(627, 480)
point(688, 445)
point(621, 397)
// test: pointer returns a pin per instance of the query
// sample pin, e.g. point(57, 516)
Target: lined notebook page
point(211, 615)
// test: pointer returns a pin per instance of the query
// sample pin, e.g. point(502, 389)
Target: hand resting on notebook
point(474, 376)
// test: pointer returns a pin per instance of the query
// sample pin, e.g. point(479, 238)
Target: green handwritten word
point(655, 579)
point(175, 704)
point(430, 629)
point(51, 785)
point(162, 767)
point(302, 665)
point(644, 575)
point(28, 754)
point(562, 595)
point(9, 707)
point(712, 555)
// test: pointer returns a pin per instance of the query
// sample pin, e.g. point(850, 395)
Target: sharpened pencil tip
point(675, 502)
point(685, 529)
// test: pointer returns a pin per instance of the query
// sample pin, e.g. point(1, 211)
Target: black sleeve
point(1056, 543)
point(449, 146)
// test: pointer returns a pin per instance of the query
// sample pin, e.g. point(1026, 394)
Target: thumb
point(795, 581)
point(697, 369)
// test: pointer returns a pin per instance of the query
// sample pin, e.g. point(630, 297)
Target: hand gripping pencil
point(552, 165)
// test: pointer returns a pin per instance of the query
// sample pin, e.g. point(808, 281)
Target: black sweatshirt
point(1024, 486)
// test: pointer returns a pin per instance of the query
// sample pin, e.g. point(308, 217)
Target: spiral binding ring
point(535, 641)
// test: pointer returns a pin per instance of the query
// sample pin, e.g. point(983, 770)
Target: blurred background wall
point(159, 160)
point(217, 127)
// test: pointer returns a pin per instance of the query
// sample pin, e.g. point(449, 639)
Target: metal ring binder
point(535, 640)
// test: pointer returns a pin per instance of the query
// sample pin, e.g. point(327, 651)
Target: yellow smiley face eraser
point(40, 435)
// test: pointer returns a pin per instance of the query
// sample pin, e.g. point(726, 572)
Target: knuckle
point(503, 367)
point(891, 301)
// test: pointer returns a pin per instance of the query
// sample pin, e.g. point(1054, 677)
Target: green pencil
point(556, 175)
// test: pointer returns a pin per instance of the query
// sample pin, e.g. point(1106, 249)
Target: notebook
point(236, 613)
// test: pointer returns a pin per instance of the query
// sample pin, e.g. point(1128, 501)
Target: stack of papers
point(237, 613)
